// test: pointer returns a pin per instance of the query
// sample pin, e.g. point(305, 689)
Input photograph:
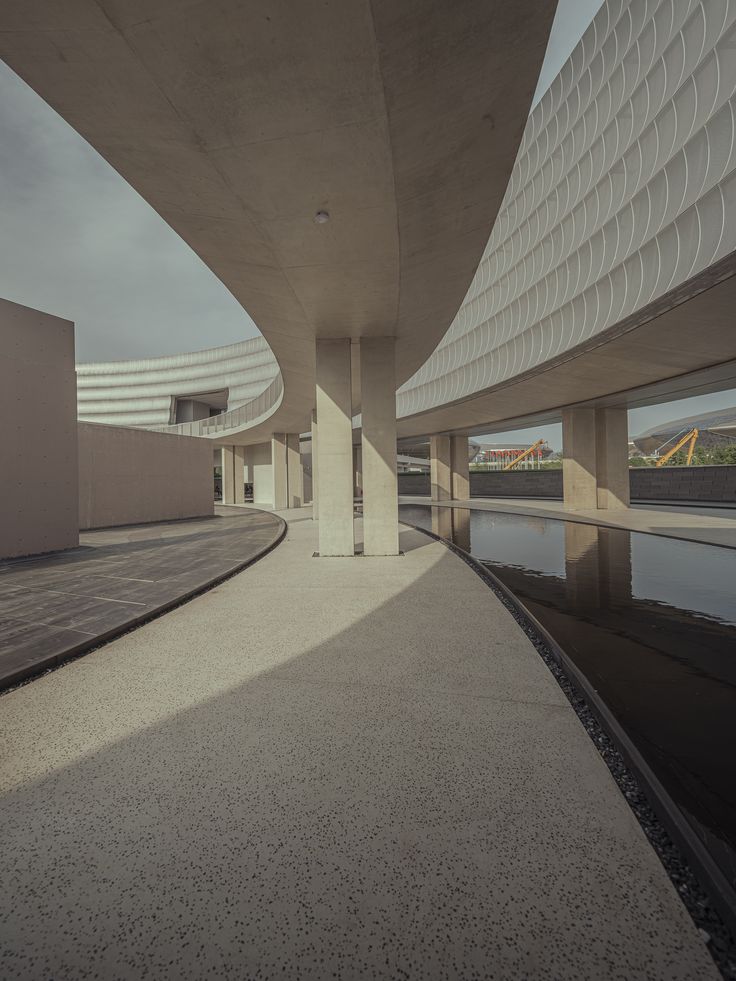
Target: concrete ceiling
point(238, 121)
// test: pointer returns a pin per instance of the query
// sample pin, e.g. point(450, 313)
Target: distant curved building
point(177, 388)
point(716, 429)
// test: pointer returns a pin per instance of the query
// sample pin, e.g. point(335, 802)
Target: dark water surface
point(650, 622)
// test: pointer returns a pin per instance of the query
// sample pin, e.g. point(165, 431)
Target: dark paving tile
point(50, 606)
point(25, 644)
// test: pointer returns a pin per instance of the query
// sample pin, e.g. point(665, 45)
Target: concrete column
point(294, 472)
point(280, 472)
point(357, 471)
point(440, 468)
point(335, 448)
point(378, 408)
point(612, 457)
point(233, 463)
point(460, 464)
point(315, 514)
point(579, 474)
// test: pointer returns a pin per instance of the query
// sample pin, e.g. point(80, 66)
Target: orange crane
point(521, 456)
point(691, 437)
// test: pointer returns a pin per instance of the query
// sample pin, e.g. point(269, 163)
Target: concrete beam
point(378, 408)
point(335, 448)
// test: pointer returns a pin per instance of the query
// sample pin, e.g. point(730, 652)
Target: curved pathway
point(324, 768)
point(57, 606)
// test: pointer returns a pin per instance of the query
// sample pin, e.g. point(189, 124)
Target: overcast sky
point(78, 242)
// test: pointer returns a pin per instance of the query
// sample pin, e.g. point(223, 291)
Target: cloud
point(77, 241)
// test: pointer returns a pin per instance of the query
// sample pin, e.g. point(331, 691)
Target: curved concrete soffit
point(238, 129)
point(623, 190)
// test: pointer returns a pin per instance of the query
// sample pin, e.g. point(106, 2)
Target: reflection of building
point(715, 428)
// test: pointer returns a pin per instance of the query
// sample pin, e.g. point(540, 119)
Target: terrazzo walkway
point(323, 768)
point(57, 606)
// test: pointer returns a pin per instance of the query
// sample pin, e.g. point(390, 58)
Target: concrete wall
point(38, 449)
point(258, 462)
point(703, 484)
point(130, 476)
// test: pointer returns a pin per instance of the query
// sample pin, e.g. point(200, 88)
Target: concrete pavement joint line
point(672, 838)
point(66, 592)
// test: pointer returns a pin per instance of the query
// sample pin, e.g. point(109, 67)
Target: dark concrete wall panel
point(702, 484)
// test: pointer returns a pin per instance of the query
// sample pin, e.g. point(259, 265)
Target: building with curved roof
point(714, 429)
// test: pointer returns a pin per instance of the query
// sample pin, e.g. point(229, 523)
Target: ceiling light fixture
point(321, 217)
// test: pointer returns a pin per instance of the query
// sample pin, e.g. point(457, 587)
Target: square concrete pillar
point(378, 409)
point(294, 472)
point(579, 472)
point(233, 476)
point(335, 448)
point(280, 472)
point(315, 512)
point(612, 457)
point(460, 464)
point(440, 466)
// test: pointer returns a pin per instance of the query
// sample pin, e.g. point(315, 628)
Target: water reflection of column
point(614, 567)
point(581, 566)
point(461, 528)
point(442, 522)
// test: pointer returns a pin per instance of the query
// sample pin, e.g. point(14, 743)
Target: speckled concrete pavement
point(323, 768)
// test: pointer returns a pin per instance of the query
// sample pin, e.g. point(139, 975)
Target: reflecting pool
point(650, 622)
